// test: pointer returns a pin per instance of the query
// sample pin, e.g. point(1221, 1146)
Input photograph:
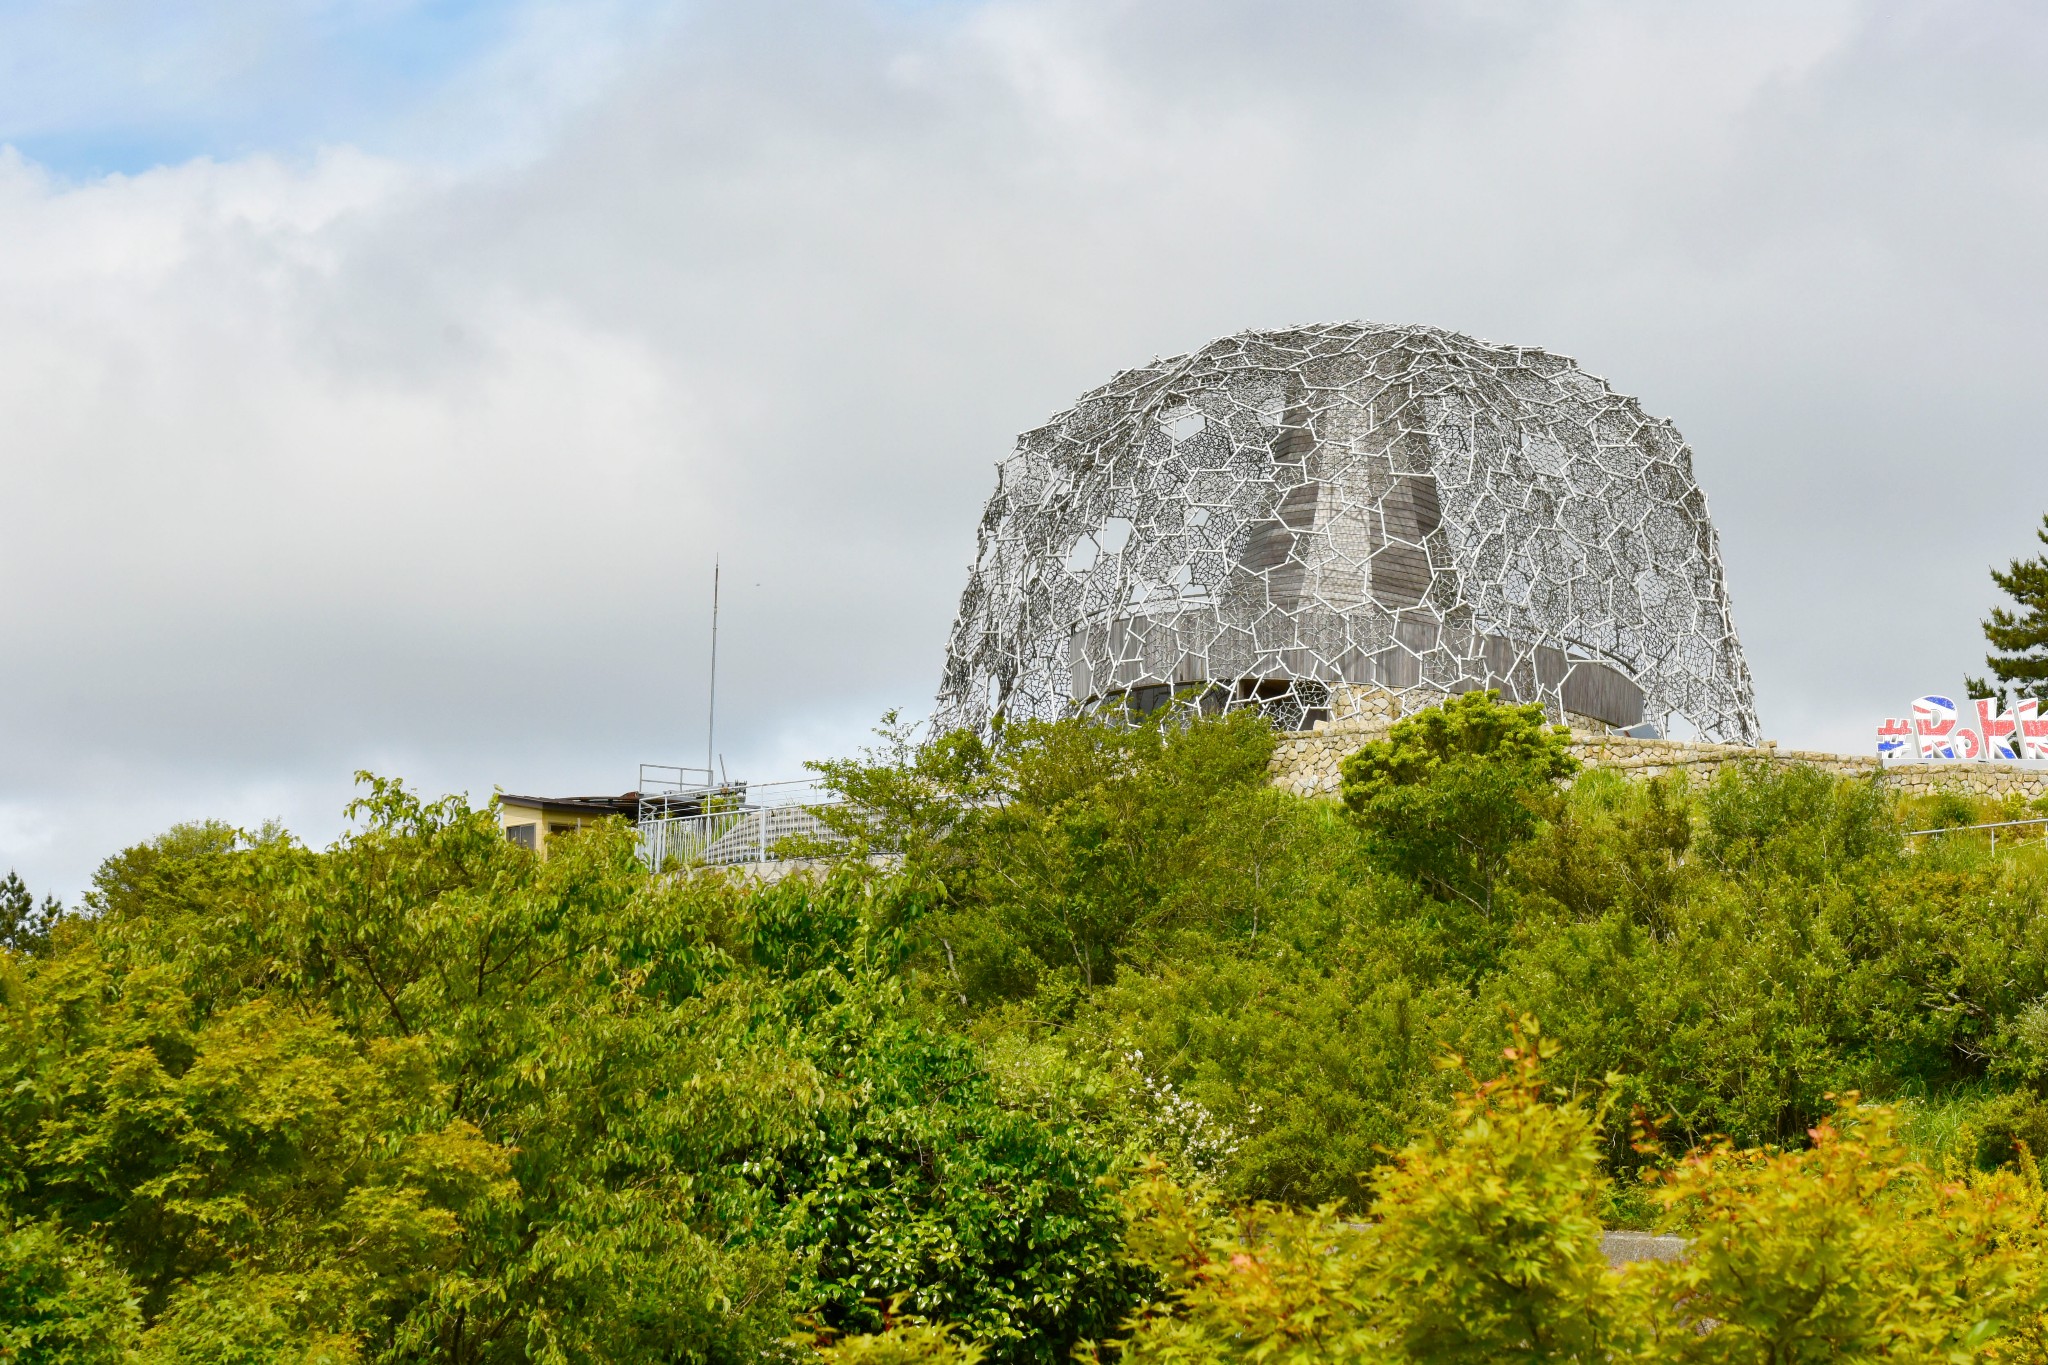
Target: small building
point(530, 821)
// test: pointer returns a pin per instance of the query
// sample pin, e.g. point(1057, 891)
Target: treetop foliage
point(426, 1096)
point(1471, 728)
point(25, 926)
point(1127, 1052)
point(2018, 634)
point(1484, 1245)
point(1453, 788)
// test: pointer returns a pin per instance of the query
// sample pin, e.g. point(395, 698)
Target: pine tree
point(24, 926)
point(2019, 634)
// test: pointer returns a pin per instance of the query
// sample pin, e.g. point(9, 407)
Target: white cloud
point(363, 461)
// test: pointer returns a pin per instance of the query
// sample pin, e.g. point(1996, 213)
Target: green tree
point(1489, 1238)
point(424, 1095)
point(254, 1162)
point(1454, 788)
point(1845, 1250)
point(62, 1301)
point(1055, 849)
point(1260, 1282)
point(1285, 972)
point(905, 797)
point(1614, 845)
point(905, 1340)
point(1485, 1247)
point(2018, 634)
point(25, 927)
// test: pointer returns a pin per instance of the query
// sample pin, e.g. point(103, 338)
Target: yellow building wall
point(547, 821)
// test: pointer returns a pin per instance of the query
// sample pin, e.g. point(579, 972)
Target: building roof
point(626, 804)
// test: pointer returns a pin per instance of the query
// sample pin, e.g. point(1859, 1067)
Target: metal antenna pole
point(711, 720)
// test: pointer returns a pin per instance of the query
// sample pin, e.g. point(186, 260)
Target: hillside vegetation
point(1129, 1053)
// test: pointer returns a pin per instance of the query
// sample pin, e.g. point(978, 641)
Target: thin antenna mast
point(711, 720)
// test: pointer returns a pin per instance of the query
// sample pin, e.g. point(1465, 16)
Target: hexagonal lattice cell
point(1308, 520)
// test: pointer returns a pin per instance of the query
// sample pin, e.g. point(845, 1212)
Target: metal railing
point(666, 778)
point(746, 831)
point(1993, 826)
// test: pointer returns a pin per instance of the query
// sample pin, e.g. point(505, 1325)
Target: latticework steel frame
point(1293, 519)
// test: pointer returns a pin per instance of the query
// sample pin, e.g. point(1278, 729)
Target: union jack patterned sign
point(1933, 732)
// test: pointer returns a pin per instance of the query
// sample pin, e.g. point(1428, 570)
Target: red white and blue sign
point(1935, 732)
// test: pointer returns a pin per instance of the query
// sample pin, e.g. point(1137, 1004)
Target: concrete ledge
point(1621, 1248)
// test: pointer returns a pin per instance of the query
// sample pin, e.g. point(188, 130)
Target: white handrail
point(719, 838)
point(1994, 826)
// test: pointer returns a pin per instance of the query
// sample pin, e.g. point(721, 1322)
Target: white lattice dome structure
point(1300, 519)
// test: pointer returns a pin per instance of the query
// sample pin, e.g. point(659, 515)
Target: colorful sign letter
point(1932, 732)
point(1934, 725)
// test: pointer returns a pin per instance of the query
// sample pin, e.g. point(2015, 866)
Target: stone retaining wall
point(1307, 761)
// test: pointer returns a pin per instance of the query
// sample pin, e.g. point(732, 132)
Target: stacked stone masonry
point(1308, 762)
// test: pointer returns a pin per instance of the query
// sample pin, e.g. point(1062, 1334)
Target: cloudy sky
point(378, 378)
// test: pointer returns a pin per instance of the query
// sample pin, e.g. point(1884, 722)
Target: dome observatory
point(1317, 520)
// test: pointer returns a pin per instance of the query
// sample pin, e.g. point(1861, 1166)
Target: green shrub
point(1451, 790)
point(1287, 969)
point(1487, 1242)
point(62, 1301)
point(1485, 1246)
point(424, 1095)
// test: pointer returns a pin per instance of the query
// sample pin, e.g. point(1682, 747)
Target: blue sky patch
point(124, 86)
